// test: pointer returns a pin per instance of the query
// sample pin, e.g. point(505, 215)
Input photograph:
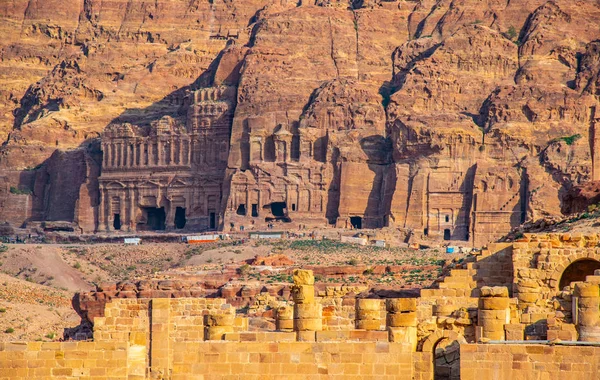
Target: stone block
point(494, 303)
point(368, 324)
point(219, 320)
point(492, 325)
point(308, 324)
point(217, 332)
point(493, 314)
point(306, 336)
point(368, 304)
point(407, 335)
point(427, 293)
point(303, 277)
point(528, 297)
point(589, 333)
point(308, 311)
point(285, 312)
point(443, 310)
point(401, 319)
point(284, 324)
point(494, 291)
point(368, 314)
point(398, 305)
point(583, 289)
point(303, 293)
point(514, 331)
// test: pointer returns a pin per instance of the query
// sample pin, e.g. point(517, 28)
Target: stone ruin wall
point(463, 328)
point(165, 338)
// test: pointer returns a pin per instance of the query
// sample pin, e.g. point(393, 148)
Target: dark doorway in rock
point(212, 220)
point(446, 360)
point(278, 209)
point(293, 207)
point(356, 222)
point(117, 222)
point(254, 210)
point(447, 234)
point(156, 218)
point(577, 271)
point(241, 210)
point(180, 218)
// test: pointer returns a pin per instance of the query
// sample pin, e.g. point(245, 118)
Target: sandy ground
point(38, 281)
point(31, 311)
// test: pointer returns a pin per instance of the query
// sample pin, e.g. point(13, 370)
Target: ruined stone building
point(169, 175)
point(527, 309)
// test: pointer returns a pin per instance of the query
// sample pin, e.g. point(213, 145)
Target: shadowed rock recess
point(458, 120)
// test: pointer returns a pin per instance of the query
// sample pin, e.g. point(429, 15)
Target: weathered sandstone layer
point(458, 120)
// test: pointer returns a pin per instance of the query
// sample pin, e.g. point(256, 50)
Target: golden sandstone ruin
point(523, 310)
point(448, 120)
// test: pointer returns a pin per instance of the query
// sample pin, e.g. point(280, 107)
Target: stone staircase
point(492, 266)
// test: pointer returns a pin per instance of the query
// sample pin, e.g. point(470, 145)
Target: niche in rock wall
point(278, 209)
point(356, 222)
point(212, 220)
point(279, 212)
point(117, 222)
point(241, 210)
point(180, 219)
point(269, 149)
point(155, 218)
point(320, 149)
point(295, 152)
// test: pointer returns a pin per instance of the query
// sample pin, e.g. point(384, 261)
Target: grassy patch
point(569, 140)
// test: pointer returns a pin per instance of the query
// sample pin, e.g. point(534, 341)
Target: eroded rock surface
point(458, 120)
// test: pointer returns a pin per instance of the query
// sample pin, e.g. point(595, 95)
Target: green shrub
point(9, 330)
point(2, 310)
point(16, 190)
point(511, 33)
point(244, 269)
point(569, 140)
point(77, 265)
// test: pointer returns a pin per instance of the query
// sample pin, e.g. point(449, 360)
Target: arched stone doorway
point(577, 271)
point(445, 346)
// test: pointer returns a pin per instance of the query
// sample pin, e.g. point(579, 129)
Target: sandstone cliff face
point(457, 119)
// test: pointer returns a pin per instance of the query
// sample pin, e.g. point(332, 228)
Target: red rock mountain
point(456, 119)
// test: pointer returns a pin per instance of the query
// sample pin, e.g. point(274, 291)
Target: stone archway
point(577, 271)
point(557, 274)
point(445, 347)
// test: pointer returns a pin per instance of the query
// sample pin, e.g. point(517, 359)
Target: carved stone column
point(104, 155)
point(181, 145)
point(160, 152)
point(587, 309)
point(131, 197)
point(307, 312)
point(102, 208)
point(122, 149)
point(151, 161)
point(171, 151)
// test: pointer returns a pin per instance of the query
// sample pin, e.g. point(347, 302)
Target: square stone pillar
point(160, 320)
